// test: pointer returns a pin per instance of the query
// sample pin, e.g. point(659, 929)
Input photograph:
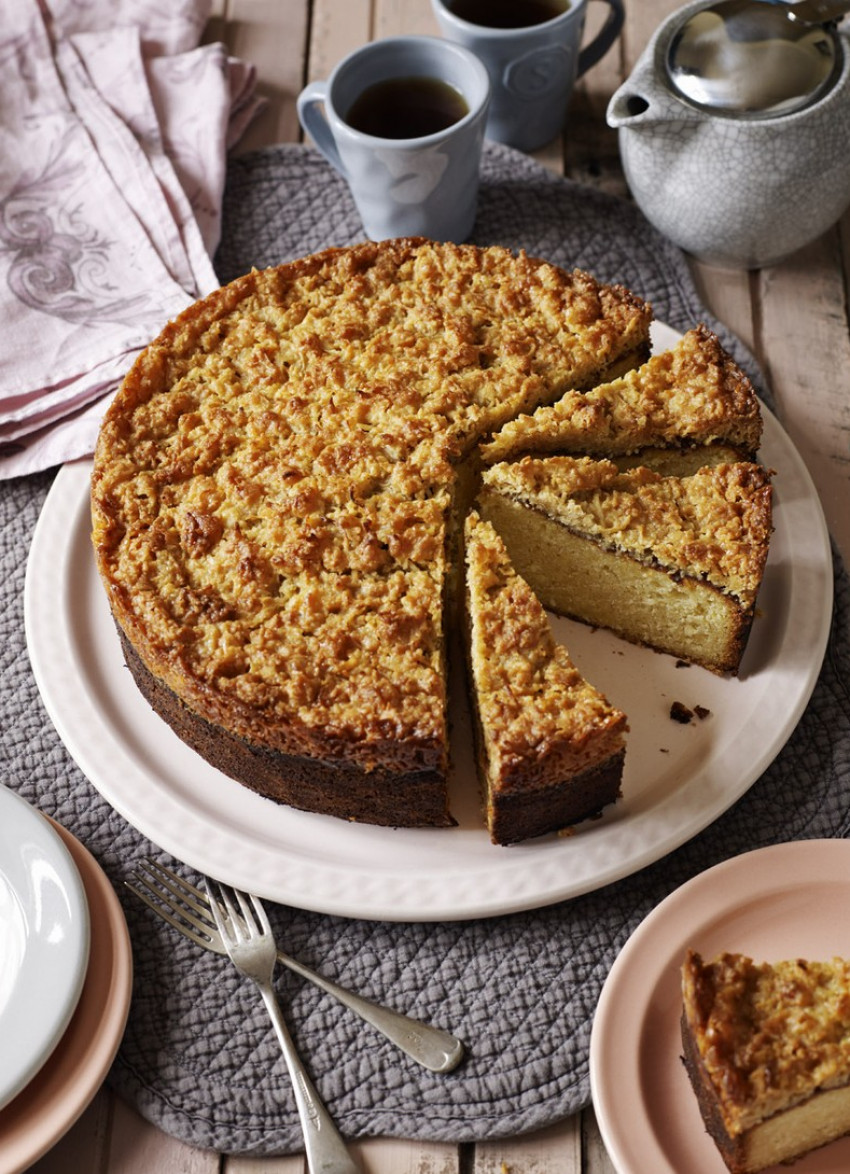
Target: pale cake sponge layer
point(674, 563)
point(694, 394)
point(767, 1050)
point(550, 746)
point(577, 578)
point(679, 462)
point(275, 501)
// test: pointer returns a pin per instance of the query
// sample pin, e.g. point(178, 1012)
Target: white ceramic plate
point(44, 941)
point(786, 901)
point(677, 778)
point(57, 1095)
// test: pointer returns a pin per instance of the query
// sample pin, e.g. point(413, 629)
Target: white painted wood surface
point(793, 316)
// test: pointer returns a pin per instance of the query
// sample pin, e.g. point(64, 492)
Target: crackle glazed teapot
point(734, 129)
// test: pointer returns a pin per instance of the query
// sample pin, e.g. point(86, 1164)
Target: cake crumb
point(680, 713)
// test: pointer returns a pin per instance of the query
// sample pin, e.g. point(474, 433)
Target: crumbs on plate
point(682, 714)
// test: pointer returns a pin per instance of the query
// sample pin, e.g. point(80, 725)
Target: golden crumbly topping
point(693, 393)
point(273, 482)
point(714, 524)
point(540, 718)
point(769, 1035)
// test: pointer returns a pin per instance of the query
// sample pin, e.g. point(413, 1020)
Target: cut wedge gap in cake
point(693, 396)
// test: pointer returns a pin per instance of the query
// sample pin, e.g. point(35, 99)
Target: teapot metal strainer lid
point(756, 58)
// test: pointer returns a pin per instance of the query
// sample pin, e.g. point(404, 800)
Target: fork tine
point(251, 916)
point(253, 912)
point(260, 914)
point(172, 898)
point(185, 892)
point(190, 900)
point(203, 938)
point(225, 898)
point(245, 914)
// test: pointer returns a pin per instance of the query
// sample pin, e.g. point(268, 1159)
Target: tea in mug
point(406, 108)
point(507, 14)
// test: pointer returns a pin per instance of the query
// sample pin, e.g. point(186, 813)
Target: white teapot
point(734, 130)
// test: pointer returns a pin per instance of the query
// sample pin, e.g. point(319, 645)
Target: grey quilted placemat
point(199, 1058)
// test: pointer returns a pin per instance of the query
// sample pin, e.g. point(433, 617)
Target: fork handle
point(432, 1047)
point(323, 1145)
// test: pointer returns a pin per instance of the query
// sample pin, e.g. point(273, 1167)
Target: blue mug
point(532, 68)
point(425, 185)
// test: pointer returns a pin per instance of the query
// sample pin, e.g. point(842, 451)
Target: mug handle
point(315, 123)
point(604, 39)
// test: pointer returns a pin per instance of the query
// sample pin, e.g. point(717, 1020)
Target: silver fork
point(186, 908)
point(248, 939)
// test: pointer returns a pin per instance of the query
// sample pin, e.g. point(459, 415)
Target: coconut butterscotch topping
point(380, 352)
point(693, 393)
point(291, 660)
point(714, 524)
point(540, 718)
point(768, 1034)
point(272, 482)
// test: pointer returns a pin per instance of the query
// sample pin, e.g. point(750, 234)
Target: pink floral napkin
point(114, 127)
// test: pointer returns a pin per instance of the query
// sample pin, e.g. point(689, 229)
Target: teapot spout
point(628, 107)
point(642, 102)
point(645, 99)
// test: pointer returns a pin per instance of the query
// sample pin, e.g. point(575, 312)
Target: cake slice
point(693, 396)
point(673, 563)
point(767, 1050)
point(550, 747)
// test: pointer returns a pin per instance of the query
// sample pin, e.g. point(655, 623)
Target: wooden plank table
point(794, 318)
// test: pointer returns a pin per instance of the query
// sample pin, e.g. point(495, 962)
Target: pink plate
point(786, 901)
point(57, 1095)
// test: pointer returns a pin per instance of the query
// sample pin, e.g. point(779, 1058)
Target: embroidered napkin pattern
point(114, 128)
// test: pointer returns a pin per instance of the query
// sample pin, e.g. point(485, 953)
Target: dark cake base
point(524, 814)
point(733, 1154)
point(387, 798)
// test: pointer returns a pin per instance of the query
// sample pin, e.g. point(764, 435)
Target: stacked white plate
point(65, 981)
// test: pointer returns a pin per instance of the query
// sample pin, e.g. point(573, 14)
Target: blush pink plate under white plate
point(64, 1087)
point(786, 901)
